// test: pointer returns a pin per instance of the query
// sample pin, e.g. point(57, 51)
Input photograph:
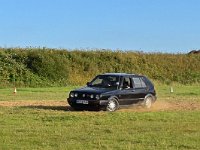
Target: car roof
point(118, 74)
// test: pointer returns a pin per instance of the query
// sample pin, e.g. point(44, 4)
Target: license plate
point(81, 102)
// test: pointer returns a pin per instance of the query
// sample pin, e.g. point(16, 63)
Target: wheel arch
point(113, 97)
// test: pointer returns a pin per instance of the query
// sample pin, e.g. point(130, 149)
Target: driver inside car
point(126, 84)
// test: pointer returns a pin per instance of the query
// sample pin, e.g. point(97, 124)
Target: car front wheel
point(113, 105)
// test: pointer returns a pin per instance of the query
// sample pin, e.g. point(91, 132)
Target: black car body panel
point(127, 89)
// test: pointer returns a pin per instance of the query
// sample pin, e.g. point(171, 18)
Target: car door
point(126, 91)
point(140, 89)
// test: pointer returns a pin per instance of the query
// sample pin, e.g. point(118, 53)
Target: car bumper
point(86, 102)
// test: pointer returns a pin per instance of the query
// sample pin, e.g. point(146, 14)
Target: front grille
point(85, 96)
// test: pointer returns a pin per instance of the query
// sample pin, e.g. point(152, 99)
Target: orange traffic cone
point(15, 90)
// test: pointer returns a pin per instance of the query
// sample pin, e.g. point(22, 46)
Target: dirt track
point(158, 106)
point(164, 106)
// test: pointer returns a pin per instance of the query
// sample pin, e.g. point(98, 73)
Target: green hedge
point(50, 67)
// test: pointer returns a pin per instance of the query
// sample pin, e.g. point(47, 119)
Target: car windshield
point(105, 81)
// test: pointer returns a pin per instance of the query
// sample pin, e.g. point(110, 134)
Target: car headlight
point(97, 97)
point(71, 94)
point(91, 96)
point(76, 95)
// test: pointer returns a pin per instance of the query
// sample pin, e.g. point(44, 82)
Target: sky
point(169, 26)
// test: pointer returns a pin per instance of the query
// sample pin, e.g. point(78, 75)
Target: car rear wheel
point(113, 105)
point(148, 102)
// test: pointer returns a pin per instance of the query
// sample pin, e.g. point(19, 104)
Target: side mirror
point(88, 83)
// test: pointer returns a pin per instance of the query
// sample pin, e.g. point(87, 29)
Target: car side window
point(138, 82)
point(127, 83)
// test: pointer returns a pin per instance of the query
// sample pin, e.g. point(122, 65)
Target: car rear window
point(138, 82)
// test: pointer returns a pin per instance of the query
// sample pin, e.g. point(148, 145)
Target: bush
point(51, 67)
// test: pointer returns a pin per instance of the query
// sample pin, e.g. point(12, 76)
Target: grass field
point(39, 118)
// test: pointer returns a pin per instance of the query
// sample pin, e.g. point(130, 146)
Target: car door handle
point(132, 90)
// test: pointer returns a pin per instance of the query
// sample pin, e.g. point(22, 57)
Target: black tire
point(112, 105)
point(148, 102)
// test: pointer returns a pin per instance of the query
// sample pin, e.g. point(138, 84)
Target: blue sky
point(171, 26)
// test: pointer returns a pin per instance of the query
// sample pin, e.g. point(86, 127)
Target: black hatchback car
point(111, 91)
